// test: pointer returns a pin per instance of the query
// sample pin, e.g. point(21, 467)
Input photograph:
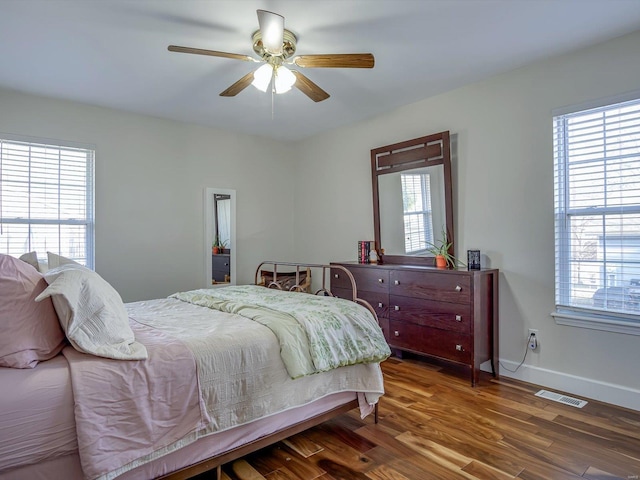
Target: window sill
point(596, 322)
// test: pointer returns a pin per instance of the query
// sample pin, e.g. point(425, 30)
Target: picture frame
point(473, 260)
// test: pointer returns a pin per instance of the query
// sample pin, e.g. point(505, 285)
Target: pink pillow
point(29, 330)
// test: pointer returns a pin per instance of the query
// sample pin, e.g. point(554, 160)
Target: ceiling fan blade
point(212, 53)
point(237, 87)
point(272, 30)
point(310, 89)
point(338, 60)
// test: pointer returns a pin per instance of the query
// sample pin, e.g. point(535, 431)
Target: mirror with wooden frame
point(412, 198)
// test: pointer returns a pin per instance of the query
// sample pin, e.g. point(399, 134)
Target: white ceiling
point(113, 53)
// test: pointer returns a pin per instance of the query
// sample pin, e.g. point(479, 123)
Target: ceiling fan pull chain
point(273, 94)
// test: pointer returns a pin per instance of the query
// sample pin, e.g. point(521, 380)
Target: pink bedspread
point(122, 415)
point(36, 414)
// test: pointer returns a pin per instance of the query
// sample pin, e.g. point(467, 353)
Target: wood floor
point(433, 425)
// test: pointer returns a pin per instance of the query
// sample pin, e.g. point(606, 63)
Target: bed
point(204, 377)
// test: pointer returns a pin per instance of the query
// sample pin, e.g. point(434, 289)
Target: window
point(416, 202)
point(597, 216)
point(46, 199)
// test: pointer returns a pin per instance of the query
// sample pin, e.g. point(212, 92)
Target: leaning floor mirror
point(220, 236)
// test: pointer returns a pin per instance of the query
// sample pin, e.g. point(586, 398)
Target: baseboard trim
point(583, 387)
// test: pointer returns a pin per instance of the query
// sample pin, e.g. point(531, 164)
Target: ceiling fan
point(275, 45)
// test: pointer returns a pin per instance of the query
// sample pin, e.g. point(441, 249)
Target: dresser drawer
point(367, 279)
point(445, 287)
point(345, 293)
point(220, 268)
point(446, 316)
point(220, 263)
point(384, 325)
point(379, 301)
point(432, 341)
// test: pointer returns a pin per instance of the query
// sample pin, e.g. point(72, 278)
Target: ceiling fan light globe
point(262, 77)
point(284, 79)
point(281, 89)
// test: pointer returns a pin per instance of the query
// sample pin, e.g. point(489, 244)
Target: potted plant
point(216, 248)
point(440, 250)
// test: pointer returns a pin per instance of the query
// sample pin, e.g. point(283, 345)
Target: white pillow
point(57, 260)
point(32, 259)
point(53, 261)
point(91, 313)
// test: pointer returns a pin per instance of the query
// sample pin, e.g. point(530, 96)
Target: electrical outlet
point(533, 339)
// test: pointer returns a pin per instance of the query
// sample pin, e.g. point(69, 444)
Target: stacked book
point(365, 247)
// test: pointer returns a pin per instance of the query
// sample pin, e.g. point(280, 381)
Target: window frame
point(606, 320)
point(89, 188)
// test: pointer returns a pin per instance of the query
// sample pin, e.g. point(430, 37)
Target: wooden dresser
point(220, 268)
point(447, 314)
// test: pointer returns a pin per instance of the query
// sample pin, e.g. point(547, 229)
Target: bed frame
point(218, 461)
point(302, 276)
point(301, 273)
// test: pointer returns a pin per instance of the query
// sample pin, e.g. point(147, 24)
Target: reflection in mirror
point(412, 210)
point(412, 198)
point(220, 245)
point(222, 222)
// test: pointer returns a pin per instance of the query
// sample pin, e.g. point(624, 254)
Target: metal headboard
point(323, 272)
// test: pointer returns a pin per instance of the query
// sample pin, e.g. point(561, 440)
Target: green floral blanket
point(316, 333)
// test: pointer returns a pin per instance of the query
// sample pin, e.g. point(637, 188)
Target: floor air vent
point(556, 397)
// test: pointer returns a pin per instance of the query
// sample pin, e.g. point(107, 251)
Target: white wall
point(150, 181)
point(503, 203)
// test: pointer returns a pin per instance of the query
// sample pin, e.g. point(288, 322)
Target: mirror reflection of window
point(412, 210)
point(418, 218)
point(223, 220)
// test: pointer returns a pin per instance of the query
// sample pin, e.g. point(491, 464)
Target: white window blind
point(597, 212)
point(46, 200)
point(416, 200)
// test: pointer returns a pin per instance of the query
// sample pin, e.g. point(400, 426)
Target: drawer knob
point(396, 308)
point(335, 275)
point(396, 333)
point(380, 305)
point(458, 318)
point(459, 348)
point(458, 288)
point(380, 280)
point(397, 282)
